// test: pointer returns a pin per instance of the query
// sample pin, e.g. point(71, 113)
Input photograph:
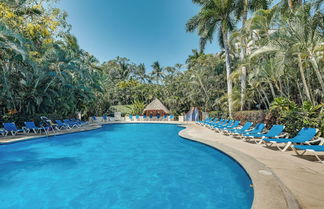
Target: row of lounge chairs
point(46, 127)
point(104, 118)
point(151, 118)
point(301, 143)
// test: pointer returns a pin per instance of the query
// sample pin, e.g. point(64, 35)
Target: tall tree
point(157, 72)
point(216, 16)
point(241, 10)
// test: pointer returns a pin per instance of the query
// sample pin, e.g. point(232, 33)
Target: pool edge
point(269, 191)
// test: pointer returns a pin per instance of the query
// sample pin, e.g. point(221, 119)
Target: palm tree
point(216, 16)
point(157, 72)
point(241, 10)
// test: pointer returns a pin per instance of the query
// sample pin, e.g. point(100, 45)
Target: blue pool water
point(136, 166)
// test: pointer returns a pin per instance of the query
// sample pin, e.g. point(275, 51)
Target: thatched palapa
point(156, 108)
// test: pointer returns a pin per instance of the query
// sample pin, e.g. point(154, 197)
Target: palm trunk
point(272, 90)
point(302, 75)
point(300, 92)
point(243, 54)
point(290, 4)
point(228, 73)
point(316, 69)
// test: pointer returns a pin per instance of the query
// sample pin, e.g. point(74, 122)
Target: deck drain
point(264, 172)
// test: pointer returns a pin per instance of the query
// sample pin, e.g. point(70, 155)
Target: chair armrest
point(320, 140)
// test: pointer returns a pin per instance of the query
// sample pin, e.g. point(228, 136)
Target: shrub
point(218, 114)
point(294, 117)
point(256, 116)
point(137, 108)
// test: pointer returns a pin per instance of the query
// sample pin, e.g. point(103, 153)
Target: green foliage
point(43, 71)
point(295, 117)
point(256, 116)
point(137, 108)
point(217, 114)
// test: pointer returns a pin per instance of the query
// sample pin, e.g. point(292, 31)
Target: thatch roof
point(156, 105)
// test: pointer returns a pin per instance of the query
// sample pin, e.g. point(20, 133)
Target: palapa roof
point(156, 105)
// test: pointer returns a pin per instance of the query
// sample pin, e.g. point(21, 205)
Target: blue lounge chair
point(80, 122)
point(302, 149)
point(130, 117)
point(229, 123)
point(151, 117)
point(144, 117)
point(158, 116)
point(165, 117)
point(234, 125)
point(137, 117)
point(94, 119)
point(12, 128)
point(61, 125)
point(30, 126)
point(257, 130)
point(105, 118)
point(305, 135)
point(171, 117)
point(207, 120)
point(217, 123)
point(71, 123)
point(243, 129)
point(276, 131)
point(214, 122)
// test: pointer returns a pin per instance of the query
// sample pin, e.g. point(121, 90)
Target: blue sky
point(142, 30)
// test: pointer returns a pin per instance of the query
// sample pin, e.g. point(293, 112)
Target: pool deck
point(280, 180)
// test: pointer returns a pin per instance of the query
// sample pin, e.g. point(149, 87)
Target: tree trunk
point(290, 4)
point(272, 90)
point(243, 54)
point(302, 75)
point(228, 73)
point(316, 69)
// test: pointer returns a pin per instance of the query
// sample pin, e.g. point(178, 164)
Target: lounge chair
point(165, 117)
point(204, 121)
point(130, 117)
point(243, 129)
point(30, 126)
point(257, 130)
point(158, 117)
point(12, 128)
point(219, 123)
point(71, 123)
point(213, 122)
point(302, 149)
point(104, 118)
point(144, 118)
point(276, 131)
point(61, 125)
point(233, 126)
point(305, 135)
point(171, 117)
point(217, 126)
point(94, 119)
point(79, 122)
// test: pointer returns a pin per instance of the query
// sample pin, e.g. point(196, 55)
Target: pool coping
point(269, 190)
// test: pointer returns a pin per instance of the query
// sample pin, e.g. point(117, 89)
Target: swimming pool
point(121, 166)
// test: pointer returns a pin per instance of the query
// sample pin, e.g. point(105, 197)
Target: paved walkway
point(296, 182)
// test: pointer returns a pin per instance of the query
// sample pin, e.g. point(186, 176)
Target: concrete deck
point(280, 180)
